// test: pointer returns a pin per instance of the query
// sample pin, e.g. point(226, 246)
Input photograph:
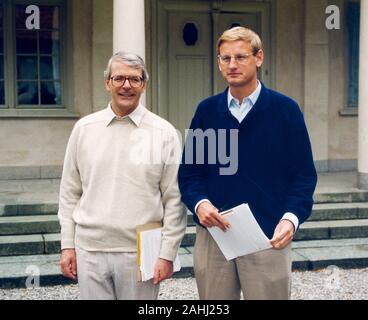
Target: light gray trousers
point(111, 276)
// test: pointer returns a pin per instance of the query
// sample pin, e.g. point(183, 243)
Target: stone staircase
point(335, 234)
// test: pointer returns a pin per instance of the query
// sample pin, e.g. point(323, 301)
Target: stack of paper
point(149, 243)
point(244, 237)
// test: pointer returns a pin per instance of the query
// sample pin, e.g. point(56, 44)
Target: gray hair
point(131, 59)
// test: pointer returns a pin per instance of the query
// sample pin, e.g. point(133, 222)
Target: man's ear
point(144, 86)
point(107, 87)
point(259, 58)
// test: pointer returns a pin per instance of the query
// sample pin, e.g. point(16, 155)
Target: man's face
point(126, 96)
point(242, 72)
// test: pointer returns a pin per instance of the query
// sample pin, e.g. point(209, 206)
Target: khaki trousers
point(111, 276)
point(262, 275)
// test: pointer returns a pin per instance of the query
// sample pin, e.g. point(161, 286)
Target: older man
point(115, 177)
point(275, 175)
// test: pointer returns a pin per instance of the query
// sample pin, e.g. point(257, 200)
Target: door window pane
point(190, 34)
point(27, 92)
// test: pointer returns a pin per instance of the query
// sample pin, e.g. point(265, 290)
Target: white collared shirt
point(136, 115)
point(239, 111)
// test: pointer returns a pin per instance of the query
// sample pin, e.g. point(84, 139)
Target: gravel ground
point(328, 284)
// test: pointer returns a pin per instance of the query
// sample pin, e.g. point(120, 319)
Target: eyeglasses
point(239, 58)
point(119, 81)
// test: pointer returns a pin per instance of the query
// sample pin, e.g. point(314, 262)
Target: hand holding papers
point(149, 243)
point(244, 236)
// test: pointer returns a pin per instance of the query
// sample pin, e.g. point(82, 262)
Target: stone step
point(22, 245)
point(47, 203)
point(50, 243)
point(321, 212)
point(307, 255)
point(339, 211)
point(341, 197)
point(17, 271)
point(333, 229)
point(318, 254)
point(29, 225)
point(27, 209)
point(29, 244)
point(313, 230)
point(328, 211)
point(329, 243)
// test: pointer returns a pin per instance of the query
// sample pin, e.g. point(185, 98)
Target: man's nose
point(233, 64)
point(126, 84)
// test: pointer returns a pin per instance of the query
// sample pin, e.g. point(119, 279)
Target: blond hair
point(241, 33)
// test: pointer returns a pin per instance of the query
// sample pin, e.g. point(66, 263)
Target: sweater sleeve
point(192, 177)
point(70, 192)
point(175, 218)
point(303, 176)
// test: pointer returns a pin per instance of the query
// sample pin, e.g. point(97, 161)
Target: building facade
point(52, 74)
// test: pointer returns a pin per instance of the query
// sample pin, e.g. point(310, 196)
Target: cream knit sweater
point(119, 173)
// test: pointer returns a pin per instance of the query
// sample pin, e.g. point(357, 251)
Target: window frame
point(348, 110)
point(349, 59)
point(11, 109)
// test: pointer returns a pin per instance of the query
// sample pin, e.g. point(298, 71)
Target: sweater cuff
point(168, 252)
point(67, 237)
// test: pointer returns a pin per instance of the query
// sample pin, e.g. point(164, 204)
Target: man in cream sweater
point(120, 171)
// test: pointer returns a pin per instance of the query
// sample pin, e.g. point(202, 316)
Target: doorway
point(185, 47)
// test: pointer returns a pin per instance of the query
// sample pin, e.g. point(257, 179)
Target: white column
point(363, 99)
point(129, 29)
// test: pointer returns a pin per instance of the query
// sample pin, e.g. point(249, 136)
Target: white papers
point(150, 242)
point(244, 236)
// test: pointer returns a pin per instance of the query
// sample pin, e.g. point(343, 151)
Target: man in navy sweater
point(270, 167)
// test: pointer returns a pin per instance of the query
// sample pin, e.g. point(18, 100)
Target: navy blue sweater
point(276, 173)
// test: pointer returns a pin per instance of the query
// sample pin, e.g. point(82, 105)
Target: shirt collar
point(253, 97)
point(136, 115)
